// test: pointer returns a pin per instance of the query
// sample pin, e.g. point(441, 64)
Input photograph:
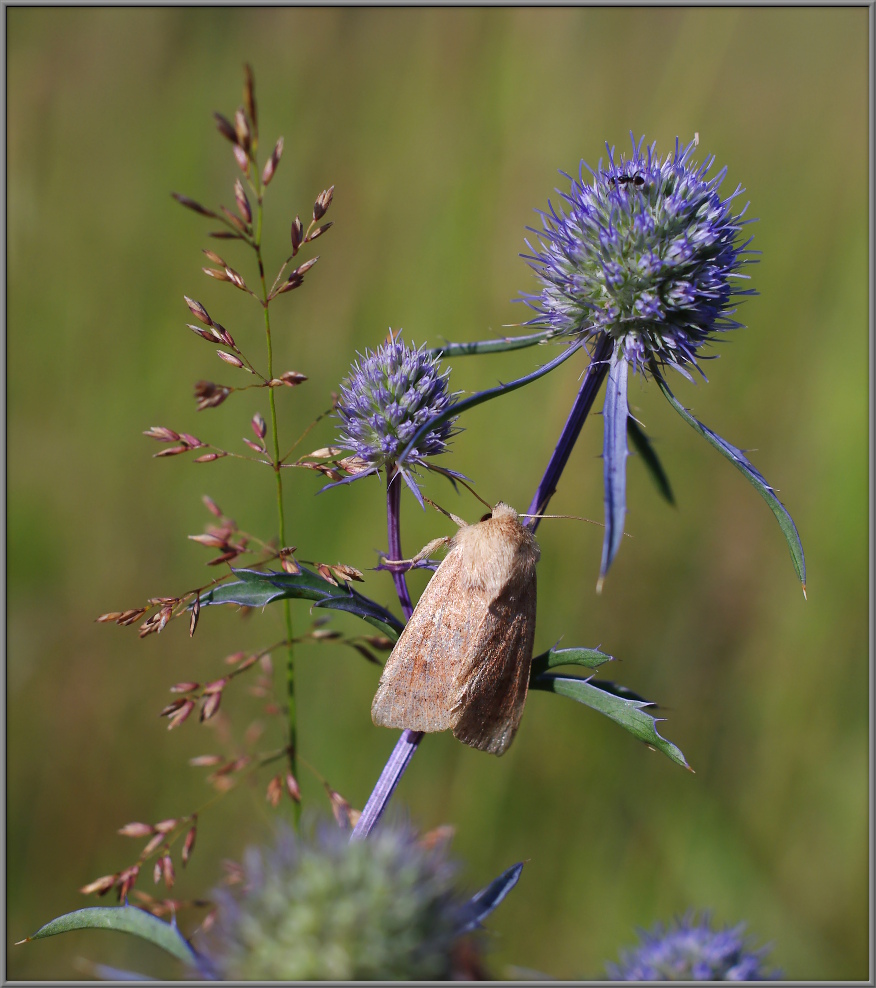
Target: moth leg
point(424, 553)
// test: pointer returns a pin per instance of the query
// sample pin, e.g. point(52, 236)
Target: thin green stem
point(275, 438)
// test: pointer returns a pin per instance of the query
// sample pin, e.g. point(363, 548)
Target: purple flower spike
point(390, 394)
point(642, 265)
point(691, 951)
point(647, 253)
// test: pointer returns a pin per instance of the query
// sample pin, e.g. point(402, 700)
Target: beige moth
point(462, 662)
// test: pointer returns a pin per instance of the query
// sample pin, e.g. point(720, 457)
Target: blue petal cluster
point(389, 394)
point(691, 951)
point(646, 253)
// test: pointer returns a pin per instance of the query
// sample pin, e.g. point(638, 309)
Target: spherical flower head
point(390, 393)
point(688, 950)
point(319, 907)
point(647, 253)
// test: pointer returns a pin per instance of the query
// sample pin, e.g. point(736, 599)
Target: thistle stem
point(409, 740)
point(593, 378)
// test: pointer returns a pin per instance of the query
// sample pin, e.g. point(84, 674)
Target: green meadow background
point(442, 130)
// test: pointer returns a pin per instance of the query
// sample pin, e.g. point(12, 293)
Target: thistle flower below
point(390, 393)
point(688, 950)
point(319, 907)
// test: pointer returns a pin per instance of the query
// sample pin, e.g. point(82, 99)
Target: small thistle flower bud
point(272, 162)
point(167, 870)
point(242, 202)
point(194, 206)
point(646, 254)
point(210, 705)
point(211, 506)
point(241, 129)
point(317, 907)
point(181, 715)
point(291, 378)
point(306, 266)
point(187, 687)
point(198, 311)
point(390, 393)
point(225, 127)
point(162, 434)
point(136, 830)
point(189, 844)
point(323, 201)
point(297, 235)
point(292, 787)
point(274, 791)
point(293, 281)
point(242, 159)
point(249, 97)
point(210, 395)
point(319, 231)
point(687, 950)
point(235, 221)
point(100, 886)
point(203, 761)
point(229, 358)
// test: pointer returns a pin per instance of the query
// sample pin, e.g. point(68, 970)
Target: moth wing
point(495, 678)
point(417, 689)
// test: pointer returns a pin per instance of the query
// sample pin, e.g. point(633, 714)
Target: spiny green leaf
point(124, 919)
point(739, 460)
point(490, 346)
point(477, 399)
point(615, 413)
point(257, 588)
point(592, 658)
point(627, 712)
point(643, 446)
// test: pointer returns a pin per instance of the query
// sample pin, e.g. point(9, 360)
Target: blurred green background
point(442, 131)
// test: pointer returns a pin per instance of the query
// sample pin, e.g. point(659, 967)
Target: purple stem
point(593, 378)
point(407, 743)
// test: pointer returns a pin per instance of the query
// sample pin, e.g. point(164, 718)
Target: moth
point(462, 662)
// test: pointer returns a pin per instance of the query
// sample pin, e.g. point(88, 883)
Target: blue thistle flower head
point(647, 253)
point(688, 950)
point(390, 393)
point(317, 906)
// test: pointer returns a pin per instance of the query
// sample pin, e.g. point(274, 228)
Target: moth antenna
point(459, 480)
point(574, 518)
point(460, 522)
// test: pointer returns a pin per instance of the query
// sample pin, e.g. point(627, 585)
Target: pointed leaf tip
point(752, 475)
point(484, 902)
point(124, 919)
point(614, 457)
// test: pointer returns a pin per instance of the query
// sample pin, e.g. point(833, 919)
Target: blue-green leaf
point(739, 460)
point(643, 446)
point(592, 658)
point(491, 346)
point(480, 905)
point(615, 413)
point(257, 588)
point(124, 919)
point(482, 396)
point(629, 713)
